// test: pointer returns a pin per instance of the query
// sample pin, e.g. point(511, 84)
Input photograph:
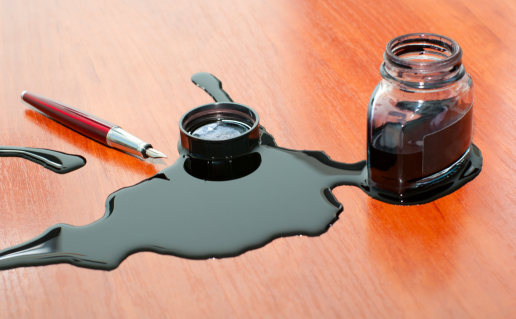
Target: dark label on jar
point(444, 147)
point(401, 152)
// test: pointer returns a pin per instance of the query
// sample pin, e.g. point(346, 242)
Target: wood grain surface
point(308, 67)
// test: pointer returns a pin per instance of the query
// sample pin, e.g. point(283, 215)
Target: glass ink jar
point(420, 115)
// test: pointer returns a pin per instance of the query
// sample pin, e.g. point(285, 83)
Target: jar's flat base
point(467, 171)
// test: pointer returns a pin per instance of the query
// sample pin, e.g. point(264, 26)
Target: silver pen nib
point(154, 154)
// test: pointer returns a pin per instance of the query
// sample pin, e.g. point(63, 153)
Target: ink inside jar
point(420, 115)
point(220, 129)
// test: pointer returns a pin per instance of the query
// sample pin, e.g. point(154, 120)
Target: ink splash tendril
point(57, 162)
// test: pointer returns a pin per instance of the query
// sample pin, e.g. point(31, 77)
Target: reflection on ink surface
point(273, 192)
point(223, 169)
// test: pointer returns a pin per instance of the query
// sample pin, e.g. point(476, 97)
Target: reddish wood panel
point(308, 68)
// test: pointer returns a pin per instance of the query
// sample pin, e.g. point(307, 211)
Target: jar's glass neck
point(423, 60)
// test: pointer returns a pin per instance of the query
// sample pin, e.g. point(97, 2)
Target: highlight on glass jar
point(420, 115)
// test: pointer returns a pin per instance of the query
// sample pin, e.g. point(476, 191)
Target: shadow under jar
point(420, 115)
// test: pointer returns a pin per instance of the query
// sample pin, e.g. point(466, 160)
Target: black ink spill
point(201, 209)
point(271, 192)
point(268, 193)
point(57, 162)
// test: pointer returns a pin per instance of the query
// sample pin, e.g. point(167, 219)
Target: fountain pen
point(91, 126)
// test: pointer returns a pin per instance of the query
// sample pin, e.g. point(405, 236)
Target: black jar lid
point(219, 130)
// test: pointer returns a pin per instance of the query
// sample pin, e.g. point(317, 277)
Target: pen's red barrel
point(82, 122)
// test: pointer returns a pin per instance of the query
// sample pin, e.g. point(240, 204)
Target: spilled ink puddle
point(274, 193)
point(201, 209)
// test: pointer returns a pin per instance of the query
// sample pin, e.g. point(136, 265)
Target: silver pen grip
point(122, 140)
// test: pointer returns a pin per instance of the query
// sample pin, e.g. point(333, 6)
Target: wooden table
point(308, 68)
